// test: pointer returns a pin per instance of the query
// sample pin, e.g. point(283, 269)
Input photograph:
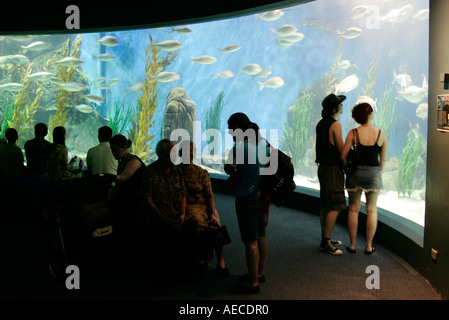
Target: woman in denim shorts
point(372, 147)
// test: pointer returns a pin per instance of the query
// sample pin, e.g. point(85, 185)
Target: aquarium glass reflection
point(275, 66)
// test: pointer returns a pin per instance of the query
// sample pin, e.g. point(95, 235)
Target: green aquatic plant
point(386, 107)
point(119, 116)
point(65, 75)
point(25, 107)
point(413, 152)
point(370, 82)
point(142, 121)
point(7, 119)
point(296, 136)
point(213, 114)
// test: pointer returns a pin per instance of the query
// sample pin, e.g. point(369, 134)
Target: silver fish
point(317, 24)
point(230, 48)
point(12, 86)
point(19, 37)
point(284, 43)
point(40, 76)
point(105, 57)
point(138, 86)
point(251, 69)
point(70, 62)
point(168, 45)
point(73, 86)
point(204, 59)
point(225, 74)
point(359, 12)
point(165, 76)
point(273, 83)
point(264, 73)
point(99, 80)
point(104, 86)
point(84, 108)
point(422, 111)
point(93, 98)
point(369, 100)
point(109, 41)
point(293, 37)
point(347, 84)
point(421, 15)
point(18, 59)
point(350, 33)
point(270, 15)
point(113, 81)
point(37, 46)
point(397, 15)
point(183, 30)
point(414, 94)
point(284, 30)
point(403, 79)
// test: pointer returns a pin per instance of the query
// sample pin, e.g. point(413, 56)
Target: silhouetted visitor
point(37, 151)
point(250, 205)
point(164, 211)
point(100, 159)
point(11, 157)
point(201, 214)
point(329, 144)
point(59, 168)
point(372, 148)
point(126, 197)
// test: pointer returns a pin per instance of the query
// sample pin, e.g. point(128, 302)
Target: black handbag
point(353, 155)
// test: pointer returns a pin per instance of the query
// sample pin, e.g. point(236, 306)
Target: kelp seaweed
point(213, 114)
point(413, 151)
point(142, 121)
point(370, 82)
point(386, 107)
point(7, 119)
point(25, 108)
point(65, 75)
point(296, 136)
point(119, 116)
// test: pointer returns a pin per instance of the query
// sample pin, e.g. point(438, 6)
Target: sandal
point(350, 250)
point(369, 252)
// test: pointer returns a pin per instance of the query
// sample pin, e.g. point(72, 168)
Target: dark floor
point(295, 270)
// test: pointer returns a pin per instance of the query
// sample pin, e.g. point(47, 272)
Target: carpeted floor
point(295, 270)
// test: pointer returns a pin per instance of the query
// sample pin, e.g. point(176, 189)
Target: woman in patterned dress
point(201, 214)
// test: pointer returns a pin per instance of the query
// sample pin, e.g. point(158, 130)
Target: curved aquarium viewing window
point(276, 66)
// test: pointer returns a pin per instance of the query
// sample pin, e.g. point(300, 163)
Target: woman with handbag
point(372, 151)
point(201, 215)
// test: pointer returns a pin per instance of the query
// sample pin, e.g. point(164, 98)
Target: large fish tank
point(276, 66)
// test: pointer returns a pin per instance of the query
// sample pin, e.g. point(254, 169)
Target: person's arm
point(384, 150)
point(337, 135)
point(346, 147)
point(130, 169)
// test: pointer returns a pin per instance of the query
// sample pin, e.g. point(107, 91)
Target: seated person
point(201, 213)
point(164, 193)
point(125, 198)
point(11, 157)
point(59, 169)
point(100, 159)
point(36, 151)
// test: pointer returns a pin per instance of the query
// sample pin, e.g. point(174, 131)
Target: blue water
point(398, 46)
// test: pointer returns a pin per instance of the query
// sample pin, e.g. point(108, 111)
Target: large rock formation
point(180, 113)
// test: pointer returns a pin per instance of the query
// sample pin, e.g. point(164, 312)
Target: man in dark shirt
point(329, 144)
point(36, 152)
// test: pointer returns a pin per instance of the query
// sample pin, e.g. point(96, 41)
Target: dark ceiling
point(39, 17)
